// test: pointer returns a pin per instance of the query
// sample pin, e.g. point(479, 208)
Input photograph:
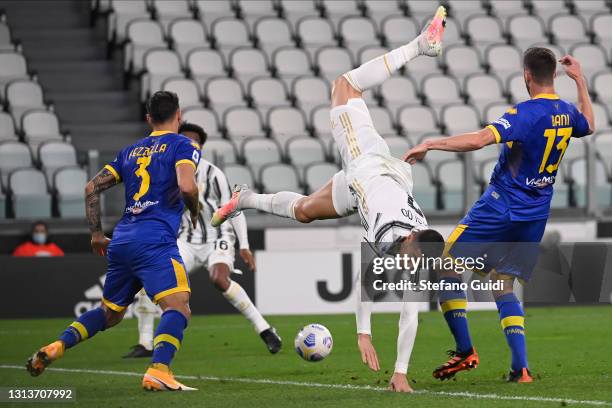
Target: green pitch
point(569, 351)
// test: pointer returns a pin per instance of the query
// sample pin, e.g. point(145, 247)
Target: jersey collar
point(160, 133)
point(546, 96)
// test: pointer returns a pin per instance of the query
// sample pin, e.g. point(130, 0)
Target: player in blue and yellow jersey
point(159, 177)
point(516, 205)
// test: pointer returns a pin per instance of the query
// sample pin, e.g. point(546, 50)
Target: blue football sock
point(512, 321)
point(454, 307)
point(84, 327)
point(168, 336)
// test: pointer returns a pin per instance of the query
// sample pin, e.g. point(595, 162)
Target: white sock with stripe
point(280, 203)
point(145, 313)
point(378, 70)
point(236, 295)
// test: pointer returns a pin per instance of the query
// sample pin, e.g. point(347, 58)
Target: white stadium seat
point(168, 10)
point(186, 90)
point(272, 34)
point(159, 65)
point(13, 67)
point(285, 123)
point(242, 123)
point(526, 30)
point(291, 62)
point(315, 32)
point(204, 64)
point(482, 90)
point(29, 193)
point(279, 177)
point(504, 60)
point(187, 35)
point(302, 151)
point(357, 32)
point(398, 91)
point(316, 175)
point(211, 10)
point(204, 118)
point(248, 63)
point(54, 155)
point(230, 33)
point(333, 62)
point(399, 30)
point(40, 126)
point(459, 119)
point(224, 93)
point(267, 93)
point(13, 155)
point(462, 60)
point(142, 36)
point(258, 152)
point(23, 95)
point(310, 92)
point(219, 152)
point(69, 183)
point(484, 31)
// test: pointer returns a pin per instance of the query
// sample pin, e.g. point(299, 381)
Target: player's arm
point(185, 175)
point(574, 70)
point(105, 179)
point(465, 142)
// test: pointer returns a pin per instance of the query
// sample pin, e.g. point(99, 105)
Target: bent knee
point(112, 317)
point(300, 210)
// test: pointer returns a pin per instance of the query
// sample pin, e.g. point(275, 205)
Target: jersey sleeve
point(115, 166)
point(512, 126)
point(187, 152)
point(581, 125)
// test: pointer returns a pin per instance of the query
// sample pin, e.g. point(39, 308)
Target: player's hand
point(417, 153)
point(572, 67)
point(194, 219)
point(368, 352)
point(248, 258)
point(399, 383)
point(99, 244)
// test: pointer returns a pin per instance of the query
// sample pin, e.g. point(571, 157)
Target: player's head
point(163, 111)
point(194, 132)
point(540, 67)
point(40, 232)
point(428, 243)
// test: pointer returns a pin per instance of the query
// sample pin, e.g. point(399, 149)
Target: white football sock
point(378, 70)
point(145, 313)
point(408, 324)
point(280, 204)
point(236, 295)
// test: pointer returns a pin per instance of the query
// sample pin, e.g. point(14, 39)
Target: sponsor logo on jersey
point(139, 207)
point(540, 182)
point(503, 122)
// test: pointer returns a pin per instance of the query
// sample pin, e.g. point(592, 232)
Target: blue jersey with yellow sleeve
point(535, 135)
point(153, 203)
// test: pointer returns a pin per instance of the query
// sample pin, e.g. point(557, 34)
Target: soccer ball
point(313, 342)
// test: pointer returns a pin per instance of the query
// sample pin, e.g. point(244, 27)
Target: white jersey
point(214, 191)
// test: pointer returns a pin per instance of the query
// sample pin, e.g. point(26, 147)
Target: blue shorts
point(510, 247)
point(131, 266)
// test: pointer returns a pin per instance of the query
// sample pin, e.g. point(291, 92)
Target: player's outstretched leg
point(85, 327)
point(145, 312)
point(454, 306)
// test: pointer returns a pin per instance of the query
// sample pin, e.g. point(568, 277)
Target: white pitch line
point(331, 386)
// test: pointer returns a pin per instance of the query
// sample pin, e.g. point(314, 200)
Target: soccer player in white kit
point(212, 248)
point(372, 182)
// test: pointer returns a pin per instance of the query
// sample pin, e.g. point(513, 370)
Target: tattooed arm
point(101, 182)
point(185, 174)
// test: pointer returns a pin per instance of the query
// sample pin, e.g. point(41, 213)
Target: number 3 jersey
point(154, 205)
point(535, 135)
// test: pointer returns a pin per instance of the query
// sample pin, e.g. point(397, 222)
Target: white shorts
point(196, 256)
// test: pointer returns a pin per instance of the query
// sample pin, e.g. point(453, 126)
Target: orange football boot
point(44, 357)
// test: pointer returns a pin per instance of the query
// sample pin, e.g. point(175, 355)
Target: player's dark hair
point(162, 105)
point(197, 129)
point(39, 222)
point(431, 243)
point(542, 64)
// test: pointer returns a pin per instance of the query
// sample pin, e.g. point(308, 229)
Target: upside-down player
point(212, 248)
point(515, 207)
point(372, 182)
point(159, 176)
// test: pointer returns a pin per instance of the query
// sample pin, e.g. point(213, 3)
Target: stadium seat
point(383, 122)
point(285, 123)
point(239, 174)
point(295, 10)
point(484, 31)
point(592, 58)
point(166, 11)
point(290, 63)
point(525, 30)
point(310, 92)
point(601, 25)
point(462, 60)
point(7, 128)
point(258, 152)
point(398, 30)
point(417, 120)
point(267, 93)
point(503, 9)
point(224, 93)
point(602, 116)
point(560, 198)
point(241, 123)
point(333, 62)
point(69, 184)
point(204, 118)
point(122, 13)
point(398, 91)
point(230, 33)
point(142, 36)
point(316, 175)
point(547, 8)
point(461, 10)
point(204, 64)
point(459, 119)
point(420, 10)
point(378, 10)
point(601, 183)
point(13, 67)
point(277, 177)
point(601, 84)
point(566, 87)
point(590, 8)
point(424, 191)
point(419, 68)
point(337, 10)
point(40, 126)
point(55, 154)
point(219, 152)
point(272, 33)
point(314, 33)
point(13, 155)
point(567, 29)
point(450, 175)
point(603, 146)
point(320, 122)
point(6, 44)
point(302, 151)
point(248, 63)
point(357, 32)
point(187, 35)
point(186, 89)
point(482, 90)
point(370, 52)
point(159, 65)
point(23, 95)
point(495, 111)
point(397, 145)
point(253, 10)
point(29, 194)
point(441, 90)
point(516, 88)
point(504, 60)
point(212, 10)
